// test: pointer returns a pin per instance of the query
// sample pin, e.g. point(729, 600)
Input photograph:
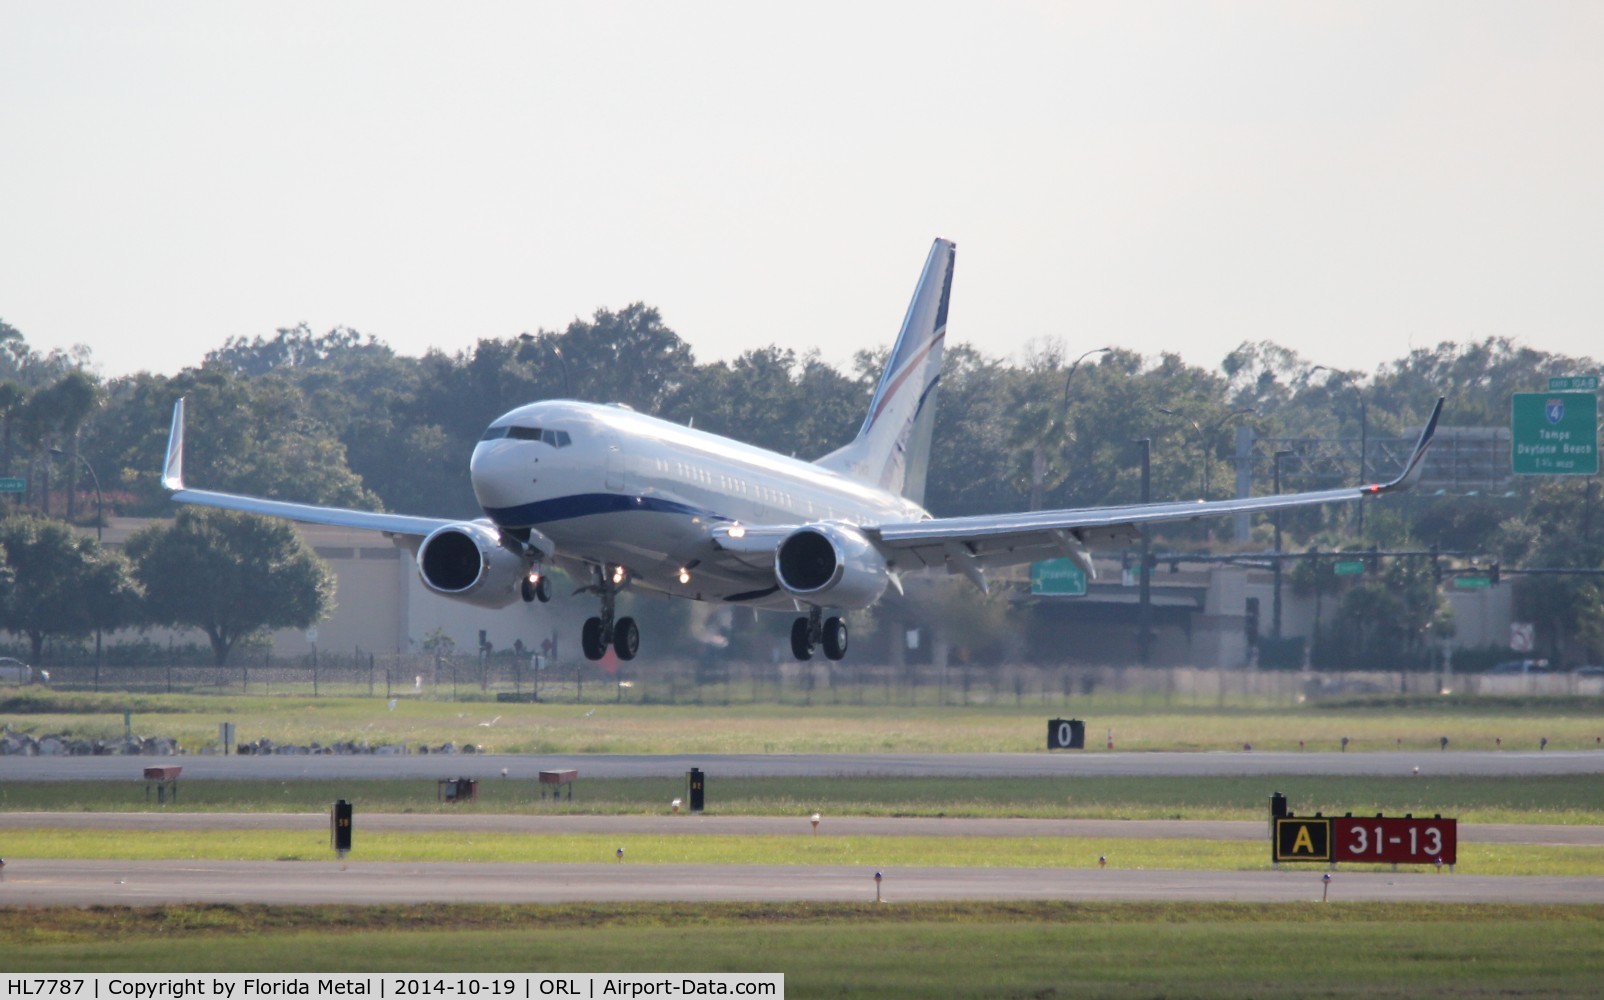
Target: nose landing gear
point(815, 630)
point(536, 587)
point(602, 631)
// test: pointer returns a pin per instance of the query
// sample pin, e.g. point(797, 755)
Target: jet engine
point(468, 562)
point(831, 564)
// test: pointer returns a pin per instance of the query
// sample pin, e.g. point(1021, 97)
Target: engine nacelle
point(468, 562)
point(831, 564)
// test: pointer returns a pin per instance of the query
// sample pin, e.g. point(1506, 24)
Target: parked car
point(1520, 667)
point(14, 671)
point(1593, 671)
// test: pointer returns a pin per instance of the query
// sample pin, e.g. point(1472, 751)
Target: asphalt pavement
point(27, 882)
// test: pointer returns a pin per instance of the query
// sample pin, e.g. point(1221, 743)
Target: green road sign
point(1554, 433)
point(1348, 568)
point(1574, 383)
point(13, 484)
point(1057, 578)
point(1473, 582)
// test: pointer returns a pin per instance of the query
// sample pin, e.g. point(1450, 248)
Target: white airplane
point(621, 500)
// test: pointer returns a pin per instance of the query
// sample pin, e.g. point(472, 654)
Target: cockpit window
point(557, 439)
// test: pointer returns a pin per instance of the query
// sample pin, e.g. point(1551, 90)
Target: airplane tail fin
point(892, 449)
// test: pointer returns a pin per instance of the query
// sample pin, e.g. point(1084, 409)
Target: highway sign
point(1394, 840)
point(1057, 578)
point(1350, 567)
point(13, 484)
point(1553, 433)
point(1472, 582)
point(1574, 383)
point(1301, 839)
point(1522, 637)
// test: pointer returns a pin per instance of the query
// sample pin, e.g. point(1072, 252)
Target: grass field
point(1567, 799)
point(711, 849)
point(917, 950)
point(1415, 724)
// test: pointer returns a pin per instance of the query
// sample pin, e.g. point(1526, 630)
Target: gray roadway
point(1507, 763)
point(147, 883)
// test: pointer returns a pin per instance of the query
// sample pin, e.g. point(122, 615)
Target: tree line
point(341, 418)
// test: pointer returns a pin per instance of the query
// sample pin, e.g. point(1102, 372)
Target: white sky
point(1347, 179)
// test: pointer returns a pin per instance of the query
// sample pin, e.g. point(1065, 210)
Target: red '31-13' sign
point(1394, 840)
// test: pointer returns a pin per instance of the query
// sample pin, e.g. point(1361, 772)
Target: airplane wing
point(969, 544)
point(411, 528)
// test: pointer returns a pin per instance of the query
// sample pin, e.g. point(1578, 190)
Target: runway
point(149, 883)
point(1104, 763)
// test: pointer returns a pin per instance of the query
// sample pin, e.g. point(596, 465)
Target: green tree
point(1387, 620)
point(12, 398)
point(773, 398)
point(628, 356)
point(230, 575)
point(1560, 529)
point(66, 584)
point(257, 435)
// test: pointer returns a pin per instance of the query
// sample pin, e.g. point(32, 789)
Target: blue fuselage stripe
point(540, 512)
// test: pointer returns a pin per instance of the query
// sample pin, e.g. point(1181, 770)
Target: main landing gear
point(601, 632)
point(816, 630)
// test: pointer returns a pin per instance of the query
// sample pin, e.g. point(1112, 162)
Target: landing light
point(618, 574)
point(684, 576)
point(737, 531)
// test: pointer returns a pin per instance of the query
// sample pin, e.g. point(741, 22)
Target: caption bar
point(391, 986)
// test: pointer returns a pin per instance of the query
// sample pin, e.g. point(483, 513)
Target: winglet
point(173, 468)
point(1411, 472)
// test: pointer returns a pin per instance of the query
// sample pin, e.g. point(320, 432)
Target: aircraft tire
point(527, 591)
point(801, 648)
point(834, 638)
point(626, 638)
point(590, 639)
point(543, 590)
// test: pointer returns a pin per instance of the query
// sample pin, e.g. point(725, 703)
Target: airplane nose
point(501, 476)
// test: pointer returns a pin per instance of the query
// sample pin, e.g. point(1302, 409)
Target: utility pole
point(1144, 610)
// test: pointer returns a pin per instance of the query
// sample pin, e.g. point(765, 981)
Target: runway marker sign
point(1398, 840)
point(1302, 839)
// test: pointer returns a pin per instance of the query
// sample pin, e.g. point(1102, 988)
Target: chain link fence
point(818, 682)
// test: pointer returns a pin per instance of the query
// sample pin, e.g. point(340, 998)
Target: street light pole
point(100, 528)
point(1038, 451)
point(530, 338)
point(1205, 437)
point(1083, 357)
point(1364, 435)
point(1275, 618)
point(1144, 609)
